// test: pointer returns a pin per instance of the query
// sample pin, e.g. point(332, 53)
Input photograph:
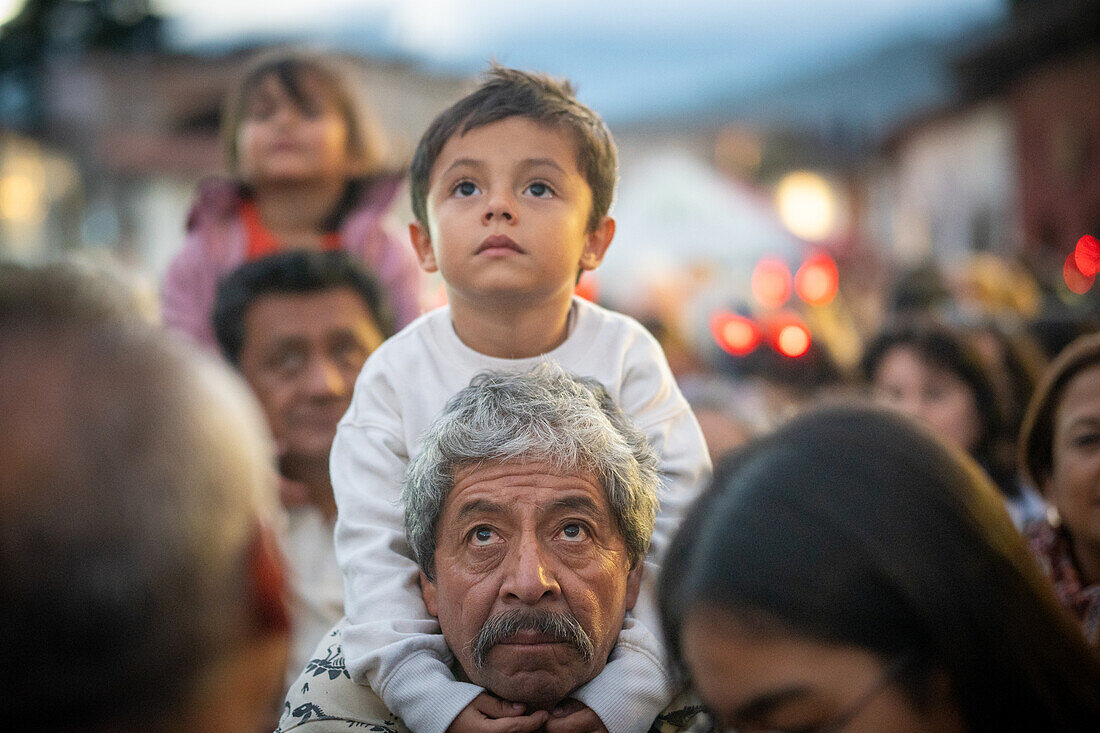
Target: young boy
point(511, 188)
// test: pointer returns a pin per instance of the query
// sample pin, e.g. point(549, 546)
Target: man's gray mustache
point(558, 625)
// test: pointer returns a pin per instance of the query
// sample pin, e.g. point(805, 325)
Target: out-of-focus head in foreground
point(849, 571)
point(138, 584)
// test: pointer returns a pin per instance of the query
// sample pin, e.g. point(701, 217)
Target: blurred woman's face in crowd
point(934, 395)
point(1074, 484)
point(756, 681)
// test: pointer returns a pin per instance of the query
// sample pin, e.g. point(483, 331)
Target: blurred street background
point(784, 163)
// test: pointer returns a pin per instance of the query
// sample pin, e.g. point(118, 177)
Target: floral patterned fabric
point(1051, 547)
point(324, 698)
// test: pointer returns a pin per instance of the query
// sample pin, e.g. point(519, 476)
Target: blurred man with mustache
point(529, 510)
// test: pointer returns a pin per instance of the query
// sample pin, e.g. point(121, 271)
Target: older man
point(529, 509)
point(299, 326)
point(140, 588)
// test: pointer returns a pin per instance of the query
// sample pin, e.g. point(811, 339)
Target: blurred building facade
point(106, 136)
point(1044, 65)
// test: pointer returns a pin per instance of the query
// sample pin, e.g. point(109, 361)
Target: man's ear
point(428, 591)
point(634, 583)
point(598, 240)
point(422, 245)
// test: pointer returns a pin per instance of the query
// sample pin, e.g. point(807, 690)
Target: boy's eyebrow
point(533, 162)
point(525, 163)
point(462, 162)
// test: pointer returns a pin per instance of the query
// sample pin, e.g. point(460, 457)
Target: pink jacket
point(216, 244)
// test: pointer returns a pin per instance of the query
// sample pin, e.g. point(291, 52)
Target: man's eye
point(541, 190)
point(288, 362)
point(573, 532)
point(482, 536)
point(465, 188)
point(350, 354)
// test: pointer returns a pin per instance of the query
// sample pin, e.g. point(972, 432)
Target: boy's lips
point(498, 242)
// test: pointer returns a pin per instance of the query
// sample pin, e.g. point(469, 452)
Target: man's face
point(301, 355)
point(519, 541)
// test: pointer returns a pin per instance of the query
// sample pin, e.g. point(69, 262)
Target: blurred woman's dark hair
point(1037, 433)
point(943, 347)
point(855, 526)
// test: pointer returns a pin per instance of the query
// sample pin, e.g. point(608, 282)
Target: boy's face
point(507, 215)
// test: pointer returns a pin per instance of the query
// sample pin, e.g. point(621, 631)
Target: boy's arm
point(636, 685)
point(391, 643)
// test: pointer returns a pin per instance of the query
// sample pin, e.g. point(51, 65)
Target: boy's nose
point(500, 207)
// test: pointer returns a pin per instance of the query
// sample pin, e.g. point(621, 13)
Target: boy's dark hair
point(290, 273)
point(513, 93)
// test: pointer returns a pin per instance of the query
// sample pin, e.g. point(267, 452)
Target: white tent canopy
point(676, 215)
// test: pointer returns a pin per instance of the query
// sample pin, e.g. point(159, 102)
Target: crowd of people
point(297, 502)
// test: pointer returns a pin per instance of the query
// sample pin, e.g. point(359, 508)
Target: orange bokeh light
point(736, 334)
point(817, 280)
point(792, 339)
point(771, 283)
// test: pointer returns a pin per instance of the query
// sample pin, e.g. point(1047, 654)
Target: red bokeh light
point(1076, 281)
point(771, 283)
point(736, 334)
point(817, 280)
point(1087, 255)
point(589, 287)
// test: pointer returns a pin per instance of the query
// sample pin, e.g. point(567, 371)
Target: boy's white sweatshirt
point(391, 643)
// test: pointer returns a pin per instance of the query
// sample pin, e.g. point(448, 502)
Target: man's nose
point(323, 377)
point(529, 577)
point(499, 206)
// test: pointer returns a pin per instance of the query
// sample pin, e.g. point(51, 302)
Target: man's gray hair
point(545, 414)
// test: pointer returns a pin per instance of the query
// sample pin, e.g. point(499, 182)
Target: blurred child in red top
point(306, 173)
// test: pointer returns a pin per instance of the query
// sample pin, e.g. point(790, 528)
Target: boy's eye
point(465, 188)
point(540, 190)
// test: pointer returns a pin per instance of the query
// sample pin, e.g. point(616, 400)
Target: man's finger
point(519, 724)
point(492, 706)
point(581, 721)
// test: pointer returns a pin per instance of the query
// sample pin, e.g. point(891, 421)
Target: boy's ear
point(422, 245)
point(599, 239)
point(427, 590)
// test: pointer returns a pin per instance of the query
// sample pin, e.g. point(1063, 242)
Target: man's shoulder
point(325, 698)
